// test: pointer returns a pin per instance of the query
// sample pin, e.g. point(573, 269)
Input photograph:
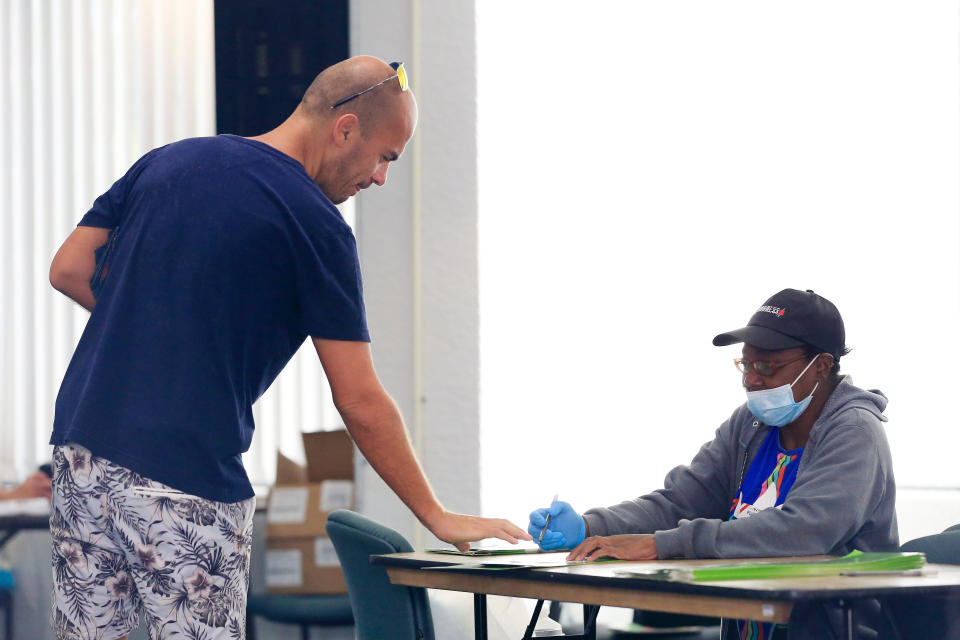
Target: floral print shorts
point(125, 545)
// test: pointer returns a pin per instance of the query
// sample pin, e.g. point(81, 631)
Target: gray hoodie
point(843, 498)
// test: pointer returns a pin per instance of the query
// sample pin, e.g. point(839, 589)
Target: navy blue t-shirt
point(226, 257)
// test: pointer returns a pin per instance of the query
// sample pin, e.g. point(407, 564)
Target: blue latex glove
point(566, 530)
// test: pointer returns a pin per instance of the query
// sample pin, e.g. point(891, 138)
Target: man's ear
point(346, 129)
point(824, 364)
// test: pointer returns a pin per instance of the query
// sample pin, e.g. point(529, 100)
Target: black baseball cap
point(791, 319)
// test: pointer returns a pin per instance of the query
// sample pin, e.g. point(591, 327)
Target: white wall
point(418, 243)
point(418, 247)
point(698, 158)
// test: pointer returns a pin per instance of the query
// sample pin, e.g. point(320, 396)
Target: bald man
point(205, 267)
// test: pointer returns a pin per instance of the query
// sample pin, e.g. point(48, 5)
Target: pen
point(903, 572)
point(547, 521)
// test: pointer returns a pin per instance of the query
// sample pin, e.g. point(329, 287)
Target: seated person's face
point(787, 365)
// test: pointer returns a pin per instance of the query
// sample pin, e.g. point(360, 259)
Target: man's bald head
point(374, 109)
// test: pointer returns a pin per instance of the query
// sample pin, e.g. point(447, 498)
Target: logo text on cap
point(777, 311)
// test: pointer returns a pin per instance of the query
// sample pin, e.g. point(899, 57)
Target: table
point(597, 584)
point(12, 524)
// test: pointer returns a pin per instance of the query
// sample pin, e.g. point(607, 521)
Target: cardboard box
point(303, 565)
point(301, 510)
point(300, 557)
point(329, 455)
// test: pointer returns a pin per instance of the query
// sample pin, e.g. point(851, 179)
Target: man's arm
point(36, 486)
point(374, 422)
point(75, 262)
point(700, 489)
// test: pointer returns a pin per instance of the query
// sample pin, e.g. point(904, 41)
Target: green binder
point(855, 562)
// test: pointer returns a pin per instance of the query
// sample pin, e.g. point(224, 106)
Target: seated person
point(36, 486)
point(802, 468)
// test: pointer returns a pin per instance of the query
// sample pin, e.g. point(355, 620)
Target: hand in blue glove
point(565, 531)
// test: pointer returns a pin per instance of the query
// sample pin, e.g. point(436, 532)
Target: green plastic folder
point(852, 563)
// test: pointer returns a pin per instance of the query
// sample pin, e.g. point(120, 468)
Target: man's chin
point(335, 198)
point(343, 197)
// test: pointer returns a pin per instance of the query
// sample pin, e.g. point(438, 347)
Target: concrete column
point(418, 248)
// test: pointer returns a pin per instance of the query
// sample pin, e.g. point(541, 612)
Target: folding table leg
point(590, 613)
point(480, 616)
point(528, 634)
point(849, 628)
point(589, 623)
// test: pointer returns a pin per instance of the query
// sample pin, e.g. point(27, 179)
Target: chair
point(6, 601)
point(940, 548)
point(383, 611)
point(305, 611)
point(927, 618)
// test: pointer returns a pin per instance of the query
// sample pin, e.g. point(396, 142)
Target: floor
point(626, 625)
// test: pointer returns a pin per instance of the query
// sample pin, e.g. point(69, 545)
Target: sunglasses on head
point(400, 75)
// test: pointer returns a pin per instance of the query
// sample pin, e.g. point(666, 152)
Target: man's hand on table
point(36, 486)
point(460, 530)
point(636, 546)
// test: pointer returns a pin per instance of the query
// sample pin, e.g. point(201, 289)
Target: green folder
point(853, 563)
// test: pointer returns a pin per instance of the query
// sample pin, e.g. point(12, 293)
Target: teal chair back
point(940, 548)
point(382, 611)
point(925, 617)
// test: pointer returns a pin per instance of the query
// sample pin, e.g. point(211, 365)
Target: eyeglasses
point(401, 75)
point(761, 367)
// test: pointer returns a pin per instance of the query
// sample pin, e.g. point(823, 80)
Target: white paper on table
point(288, 505)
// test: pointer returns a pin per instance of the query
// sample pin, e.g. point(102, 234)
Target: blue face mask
point(777, 407)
